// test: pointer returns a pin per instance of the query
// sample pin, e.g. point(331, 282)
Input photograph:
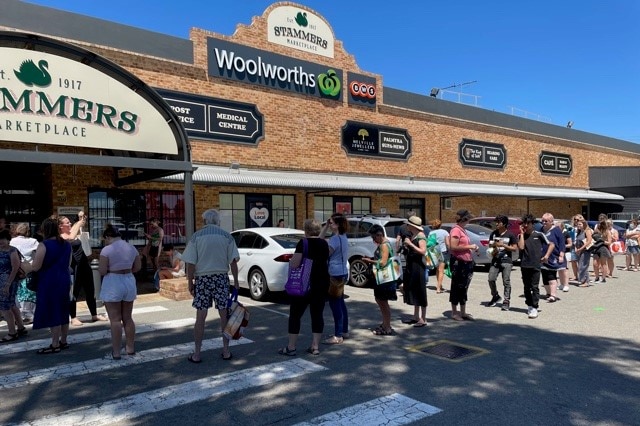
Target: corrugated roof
point(321, 181)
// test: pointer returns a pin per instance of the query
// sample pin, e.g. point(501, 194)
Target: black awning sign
point(473, 153)
point(375, 141)
point(555, 163)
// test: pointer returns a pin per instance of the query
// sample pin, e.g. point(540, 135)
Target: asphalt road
point(578, 363)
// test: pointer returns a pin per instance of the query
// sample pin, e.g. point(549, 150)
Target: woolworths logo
point(71, 105)
point(229, 63)
point(329, 83)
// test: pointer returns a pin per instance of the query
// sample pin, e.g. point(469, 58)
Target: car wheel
point(258, 288)
point(358, 273)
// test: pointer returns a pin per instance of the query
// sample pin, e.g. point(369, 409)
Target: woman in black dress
point(415, 280)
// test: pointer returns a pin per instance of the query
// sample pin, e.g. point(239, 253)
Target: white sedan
point(264, 258)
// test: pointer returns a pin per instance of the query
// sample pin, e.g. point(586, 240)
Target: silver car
point(478, 235)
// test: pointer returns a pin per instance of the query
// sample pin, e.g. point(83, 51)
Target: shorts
point(602, 253)
point(118, 288)
point(569, 256)
point(385, 291)
point(209, 289)
point(548, 275)
point(633, 249)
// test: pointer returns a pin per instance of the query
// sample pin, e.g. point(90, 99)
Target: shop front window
point(129, 211)
point(324, 207)
point(239, 211)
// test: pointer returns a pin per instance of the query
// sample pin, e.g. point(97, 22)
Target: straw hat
point(415, 221)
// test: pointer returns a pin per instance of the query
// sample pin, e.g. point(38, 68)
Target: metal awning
point(333, 182)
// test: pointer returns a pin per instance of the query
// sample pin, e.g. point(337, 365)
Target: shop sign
point(300, 29)
point(555, 163)
point(485, 155)
point(49, 99)
point(258, 67)
point(216, 119)
point(376, 141)
point(361, 90)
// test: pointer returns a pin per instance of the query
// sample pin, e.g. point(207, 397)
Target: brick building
point(282, 123)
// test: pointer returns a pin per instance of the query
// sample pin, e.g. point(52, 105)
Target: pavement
point(578, 363)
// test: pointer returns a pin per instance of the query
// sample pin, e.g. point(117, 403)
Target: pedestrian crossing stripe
point(25, 378)
point(133, 406)
point(395, 409)
point(33, 345)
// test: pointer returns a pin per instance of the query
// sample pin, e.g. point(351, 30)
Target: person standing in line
point(155, 237)
point(51, 262)
point(530, 243)
point(27, 247)
point(442, 236)
point(563, 273)
point(82, 275)
point(632, 253)
point(382, 292)
point(315, 299)
point(584, 239)
point(461, 265)
point(9, 265)
point(601, 254)
point(119, 260)
point(552, 258)
point(338, 271)
point(503, 245)
point(415, 280)
point(615, 236)
point(209, 255)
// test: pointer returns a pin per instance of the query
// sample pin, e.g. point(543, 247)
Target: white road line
point(32, 345)
point(148, 309)
point(25, 378)
point(395, 409)
point(123, 409)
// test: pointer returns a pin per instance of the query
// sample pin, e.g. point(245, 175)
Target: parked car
point(361, 245)
point(490, 222)
point(478, 235)
point(264, 258)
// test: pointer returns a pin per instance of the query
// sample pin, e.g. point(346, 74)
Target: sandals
point(10, 337)
point(226, 358)
point(50, 350)
point(468, 317)
point(552, 299)
point(287, 352)
point(193, 361)
point(23, 331)
point(313, 351)
point(99, 317)
point(382, 332)
point(333, 340)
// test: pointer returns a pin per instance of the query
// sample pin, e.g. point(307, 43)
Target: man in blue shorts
point(210, 253)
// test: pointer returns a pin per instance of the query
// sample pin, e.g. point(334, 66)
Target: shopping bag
point(391, 272)
point(299, 278)
point(237, 317)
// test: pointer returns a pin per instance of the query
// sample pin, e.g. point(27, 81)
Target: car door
point(245, 241)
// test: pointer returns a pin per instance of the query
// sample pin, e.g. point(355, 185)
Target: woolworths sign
point(48, 99)
point(241, 63)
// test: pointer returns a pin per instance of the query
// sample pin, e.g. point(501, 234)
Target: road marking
point(148, 309)
point(32, 345)
point(123, 409)
point(395, 409)
point(25, 378)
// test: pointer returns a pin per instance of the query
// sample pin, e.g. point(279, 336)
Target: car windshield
point(477, 229)
point(287, 241)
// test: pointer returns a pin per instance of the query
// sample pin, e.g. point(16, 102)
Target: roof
point(329, 182)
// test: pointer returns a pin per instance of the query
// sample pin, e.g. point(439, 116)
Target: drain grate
point(450, 351)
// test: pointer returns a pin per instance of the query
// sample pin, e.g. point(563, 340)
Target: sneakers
point(565, 289)
point(533, 312)
point(560, 287)
point(505, 305)
point(494, 300)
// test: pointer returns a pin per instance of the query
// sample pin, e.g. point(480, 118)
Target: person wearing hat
point(461, 265)
point(415, 280)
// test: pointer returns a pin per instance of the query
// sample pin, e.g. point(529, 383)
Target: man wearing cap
point(530, 243)
point(461, 265)
point(502, 245)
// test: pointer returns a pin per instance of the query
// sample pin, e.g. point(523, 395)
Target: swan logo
point(34, 75)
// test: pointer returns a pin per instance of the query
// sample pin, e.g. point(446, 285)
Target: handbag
point(336, 287)
point(391, 272)
point(237, 317)
point(298, 281)
point(84, 241)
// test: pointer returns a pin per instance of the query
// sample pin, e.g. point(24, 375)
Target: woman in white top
point(442, 235)
point(27, 247)
point(119, 260)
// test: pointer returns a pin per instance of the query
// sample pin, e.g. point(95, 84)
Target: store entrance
point(22, 194)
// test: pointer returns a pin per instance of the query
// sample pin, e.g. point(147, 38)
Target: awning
point(333, 182)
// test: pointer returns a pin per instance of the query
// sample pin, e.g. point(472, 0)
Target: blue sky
point(556, 61)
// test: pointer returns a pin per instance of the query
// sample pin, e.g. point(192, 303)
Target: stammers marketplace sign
point(48, 99)
point(300, 29)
